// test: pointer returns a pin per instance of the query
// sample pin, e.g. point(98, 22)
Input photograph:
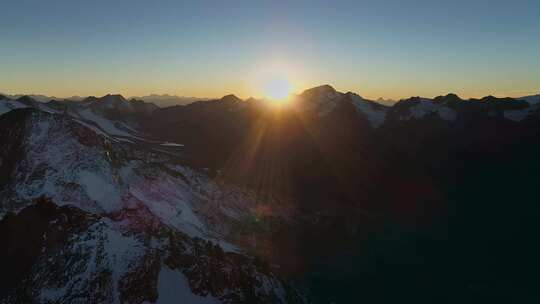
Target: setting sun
point(277, 89)
point(276, 80)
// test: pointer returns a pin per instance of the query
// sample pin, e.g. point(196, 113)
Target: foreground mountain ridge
point(127, 209)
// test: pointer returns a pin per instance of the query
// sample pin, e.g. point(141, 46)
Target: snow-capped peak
point(374, 112)
point(321, 93)
point(113, 101)
point(448, 98)
point(7, 105)
point(419, 107)
point(230, 98)
point(321, 100)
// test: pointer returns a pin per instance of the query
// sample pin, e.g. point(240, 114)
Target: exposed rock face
point(96, 220)
point(70, 256)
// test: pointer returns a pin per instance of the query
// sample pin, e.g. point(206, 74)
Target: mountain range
point(164, 100)
point(330, 197)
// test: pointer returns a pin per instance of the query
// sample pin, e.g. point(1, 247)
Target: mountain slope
point(118, 217)
point(76, 257)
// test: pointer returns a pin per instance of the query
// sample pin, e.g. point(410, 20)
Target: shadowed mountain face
point(331, 196)
point(327, 138)
point(388, 198)
point(168, 100)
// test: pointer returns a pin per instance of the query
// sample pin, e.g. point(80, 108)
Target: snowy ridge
point(71, 164)
point(7, 105)
point(173, 285)
point(532, 100)
point(138, 204)
point(110, 116)
point(375, 113)
point(57, 156)
point(423, 107)
point(324, 99)
point(321, 100)
point(103, 123)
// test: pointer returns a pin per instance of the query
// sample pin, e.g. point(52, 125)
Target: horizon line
point(509, 93)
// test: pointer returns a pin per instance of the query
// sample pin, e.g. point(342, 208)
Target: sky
point(376, 48)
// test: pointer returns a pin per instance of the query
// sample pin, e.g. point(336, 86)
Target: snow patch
point(173, 287)
point(124, 140)
point(97, 188)
point(8, 105)
point(376, 117)
point(532, 100)
point(322, 103)
point(105, 124)
point(170, 144)
point(425, 107)
point(171, 201)
point(102, 250)
point(93, 128)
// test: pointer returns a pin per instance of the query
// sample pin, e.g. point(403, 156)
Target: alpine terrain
point(330, 198)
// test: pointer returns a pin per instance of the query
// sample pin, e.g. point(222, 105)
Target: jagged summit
point(113, 97)
point(489, 98)
point(26, 100)
point(90, 99)
point(322, 89)
point(353, 94)
point(386, 101)
point(450, 97)
point(120, 103)
point(230, 98)
point(105, 98)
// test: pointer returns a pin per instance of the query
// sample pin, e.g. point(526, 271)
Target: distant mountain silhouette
point(166, 100)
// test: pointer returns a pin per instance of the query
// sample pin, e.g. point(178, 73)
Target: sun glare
point(275, 80)
point(277, 89)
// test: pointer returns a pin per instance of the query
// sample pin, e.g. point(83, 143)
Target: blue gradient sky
point(377, 48)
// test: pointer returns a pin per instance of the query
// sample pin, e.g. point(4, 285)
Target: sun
point(277, 89)
point(275, 80)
